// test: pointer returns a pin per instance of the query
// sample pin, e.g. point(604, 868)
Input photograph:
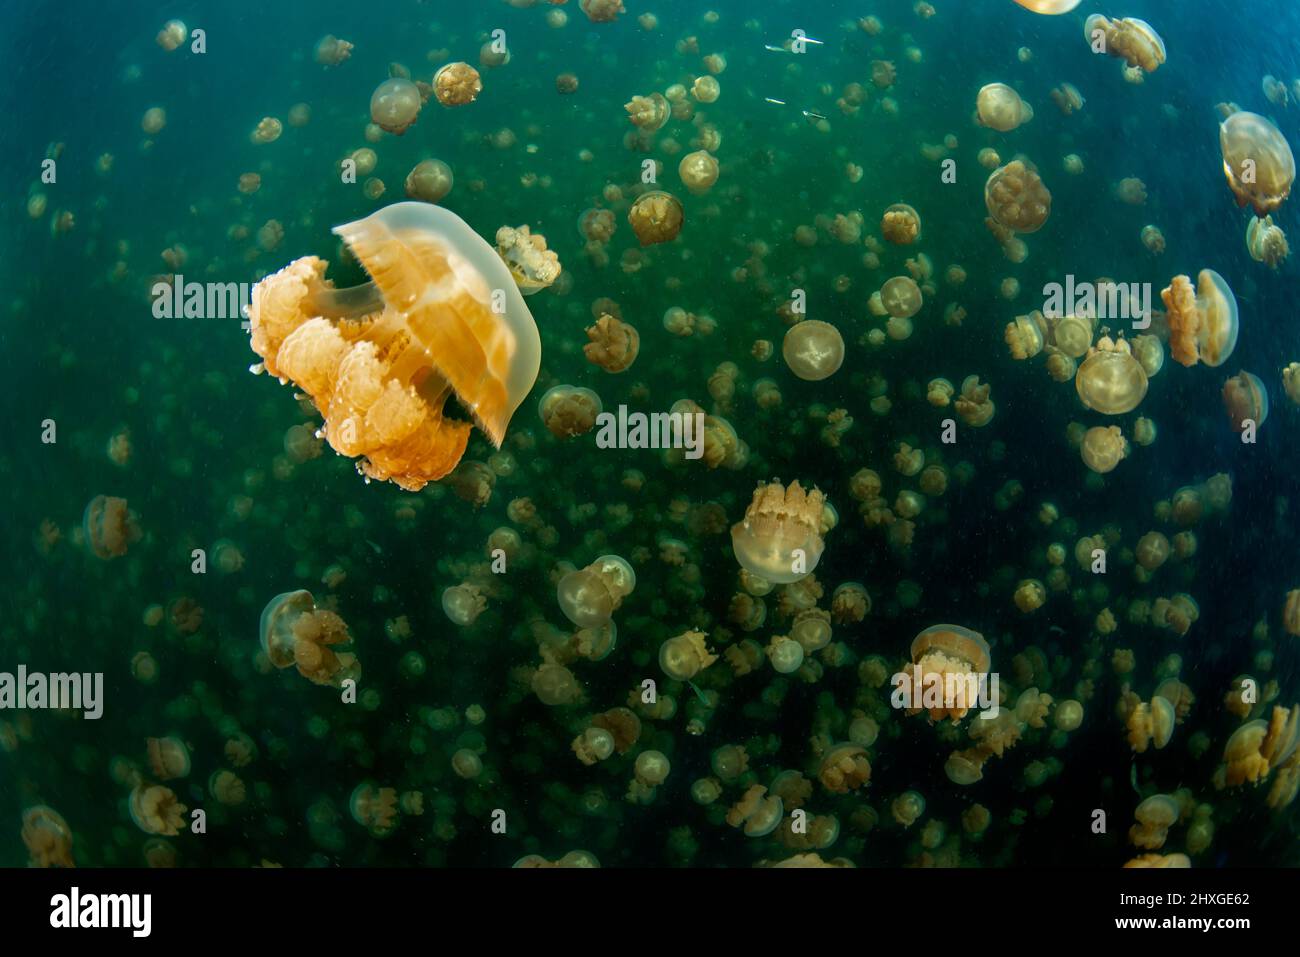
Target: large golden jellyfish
point(1202, 322)
point(1110, 380)
point(780, 539)
point(1266, 242)
point(395, 105)
point(1257, 162)
point(813, 350)
point(1245, 399)
point(959, 658)
point(1132, 40)
point(295, 632)
point(380, 360)
point(1000, 108)
point(1049, 7)
point(1017, 199)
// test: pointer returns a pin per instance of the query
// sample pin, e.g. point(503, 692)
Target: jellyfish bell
point(589, 596)
point(276, 625)
point(656, 217)
point(1111, 382)
point(380, 360)
point(1257, 161)
point(1203, 323)
point(814, 350)
point(456, 84)
point(901, 297)
point(1017, 199)
point(1000, 108)
point(1049, 7)
point(779, 539)
point(953, 641)
point(109, 526)
point(1245, 398)
point(429, 181)
point(395, 105)
point(900, 224)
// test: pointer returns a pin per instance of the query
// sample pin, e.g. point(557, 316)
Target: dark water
point(209, 464)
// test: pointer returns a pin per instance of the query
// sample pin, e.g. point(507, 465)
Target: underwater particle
point(999, 107)
point(47, 837)
point(1017, 199)
point(699, 171)
point(294, 632)
point(1203, 324)
point(380, 372)
point(156, 810)
point(656, 217)
point(395, 105)
point(533, 266)
point(779, 539)
point(455, 84)
point(268, 130)
point(813, 350)
point(1110, 380)
point(568, 411)
point(589, 596)
point(110, 527)
point(155, 118)
point(613, 344)
point(429, 181)
point(1103, 448)
point(900, 225)
point(1266, 242)
point(331, 51)
point(1132, 40)
point(172, 35)
point(1257, 162)
point(956, 659)
point(1244, 397)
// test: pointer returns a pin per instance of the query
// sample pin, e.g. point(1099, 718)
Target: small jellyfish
point(568, 411)
point(613, 344)
point(780, 538)
point(1154, 817)
point(590, 596)
point(294, 632)
point(1203, 322)
point(648, 113)
point(901, 297)
point(1132, 40)
point(1266, 242)
point(1245, 398)
point(155, 118)
point(1049, 7)
point(1000, 108)
point(959, 658)
point(1110, 380)
point(463, 603)
point(1067, 98)
point(429, 181)
point(1025, 336)
point(533, 266)
point(656, 217)
point(155, 809)
point(602, 11)
point(331, 51)
point(758, 812)
point(455, 84)
point(47, 837)
point(110, 527)
point(1153, 239)
point(685, 656)
point(268, 130)
point(1017, 199)
point(395, 105)
point(1257, 162)
point(1103, 448)
point(699, 171)
point(169, 758)
point(901, 225)
point(1291, 382)
point(706, 89)
point(379, 360)
point(844, 768)
point(973, 405)
point(172, 35)
point(814, 350)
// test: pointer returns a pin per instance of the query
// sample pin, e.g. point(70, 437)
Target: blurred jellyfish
point(155, 118)
point(1291, 382)
point(1266, 242)
point(1131, 40)
point(814, 350)
point(331, 51)
point(463, 604)
point(429, 181)
point(1245, 398)
point(109, 526)
point(1153, 239)
point(47, 837)
point(1050, 7)
point(1203, 322)
point(169, 758)
point(1000, 108)
point(601, 11)
point(382, 387)
point(1017, 199)
point(1257, 162)
point(172, 35)
point(1067, 99)
point(395, 105)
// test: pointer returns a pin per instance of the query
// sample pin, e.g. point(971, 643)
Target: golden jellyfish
point(974, 406)
point(455, 84)
point(1203, 323)
point(613, 344)
point(656, 217)
point(1103, 448)
point(249, 183)
point(1153, 239)
point(1275, 90)
point(295, 632)
point(463, 603)
point(1017, 199)
point(172, 35)
point(1152, 550)
point(1030, 595)
point(155, 118)
point(568, 410)
point(1110, 380)
point(380, 360)
point(589, 596)
point(814, 350)
point(699, 171)
point(1049, 7)
point(989, 158)
point(706, 89)
point(1072, 163)
point(533, 266)
point(901, 297)
point(156, 810)
point(1067, 98)
point(685, 656)
point(1154, 817)
point(844, 768)
point(1245, 399)
point(1291, 382)
point(1072, 336)
point(47, 837)
point(268, 130)
point(1266, 242)
point(649, 113)
point(1132, 40)
point(168, 758)
point(956, 659)
point(1160, 861)
point(110, 527)
point(757, 811)
point(1025, 335)
point(566, 83)
point(395, 105)
point(602, 11)
point(939, 393)
point(1000, 108)
point(901, 225)
point(429, 181)
point(299, 115)
point(331, 51)
point(780, 538)
point(1257, 162)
